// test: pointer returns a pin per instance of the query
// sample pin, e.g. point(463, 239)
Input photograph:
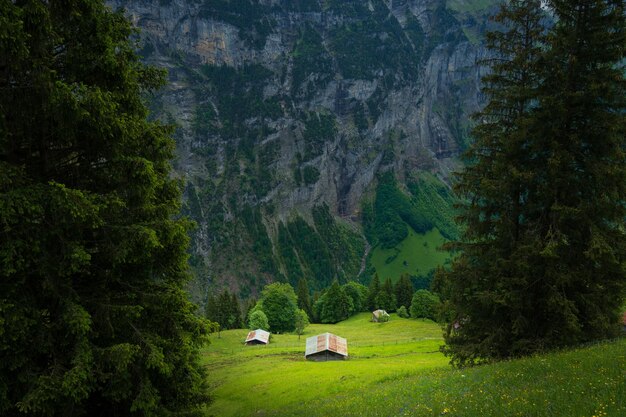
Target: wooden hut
point(380, 316)
point(257, 337)
point(326, 347)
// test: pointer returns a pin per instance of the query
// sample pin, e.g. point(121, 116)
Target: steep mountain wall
point(288, 108)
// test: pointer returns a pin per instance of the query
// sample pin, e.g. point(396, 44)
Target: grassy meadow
point(253, 380)
point(395, 369)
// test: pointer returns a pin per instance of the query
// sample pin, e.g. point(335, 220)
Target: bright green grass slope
point(417, 254)
point(395, 370)
point(587, 382)
point(266, 379)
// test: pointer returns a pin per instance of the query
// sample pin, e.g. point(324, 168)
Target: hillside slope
point(395, 369)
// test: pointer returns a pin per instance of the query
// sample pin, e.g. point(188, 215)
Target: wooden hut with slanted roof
point(257, 337)
point(380, 316)
point(326, 347)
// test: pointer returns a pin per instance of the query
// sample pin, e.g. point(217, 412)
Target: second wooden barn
point(326, 347)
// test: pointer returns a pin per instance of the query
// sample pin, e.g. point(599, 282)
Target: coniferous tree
point(314, 301)
point(386, 298)
point(211, 308)
point(404, 291)
point(335, 305)
point(248, 306)
point(223, 315)
point(95, 321)
point(235, 310)
point(495, 187)
point(373, 290)
point(304, 299)
point(544, 188)
point(581, 116)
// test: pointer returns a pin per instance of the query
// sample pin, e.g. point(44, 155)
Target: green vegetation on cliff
point(418, 255)
point(407, 229)
point(320, 252)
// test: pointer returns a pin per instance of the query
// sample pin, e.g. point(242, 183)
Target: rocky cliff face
point(283, 106)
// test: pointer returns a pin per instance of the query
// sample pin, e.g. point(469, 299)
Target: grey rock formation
point(398, 78)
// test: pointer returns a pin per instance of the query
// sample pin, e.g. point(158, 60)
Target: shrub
point(424, 305)
point(258, 320)
point(402, 312)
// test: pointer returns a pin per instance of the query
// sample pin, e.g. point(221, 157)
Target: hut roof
point(258, 334)
point(326, 341)
point(379, 313)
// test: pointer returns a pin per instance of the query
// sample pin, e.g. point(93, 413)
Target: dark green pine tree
point(404, 291)
point(336, 305)
point(544, 241)
point(211, 308)
point(494, 189)
point(248, 305)
point(304, 298)
point(315, 317)
point(225, 314)
point(386, 298)
point(373, 290)
point(581, 189)
point(235, 311)
point(93, 259)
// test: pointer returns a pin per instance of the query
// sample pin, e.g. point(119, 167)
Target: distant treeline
point(279, 304)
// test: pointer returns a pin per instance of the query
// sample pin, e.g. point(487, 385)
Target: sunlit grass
point(249, 380)
point(395, 369)
point(589, 382)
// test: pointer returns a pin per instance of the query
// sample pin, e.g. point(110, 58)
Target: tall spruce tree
point(211, 308)
point(386, 298)
point(95, 321)
point(582, 189)
point(544, 189)
point(235, 306)
point(304, 298)
point(404, 291)
point(373, 290)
